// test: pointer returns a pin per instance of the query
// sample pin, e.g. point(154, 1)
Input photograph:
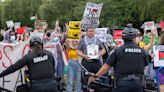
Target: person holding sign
point(74, 68)
point(90, 49)
point(158, 60)
point(40, 65)
point(129, 62)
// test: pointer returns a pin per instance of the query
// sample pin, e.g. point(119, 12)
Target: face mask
point(56, 39)
point(12, 38)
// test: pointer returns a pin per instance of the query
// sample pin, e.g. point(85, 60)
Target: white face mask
point(12, 38)
point(56, 39)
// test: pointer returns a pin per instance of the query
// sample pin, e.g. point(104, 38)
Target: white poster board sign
point(38, 34)
point(101, 33)
point(149, 25)
point(10, 23)
point(93, 51)
point(91, 15)
point(158, 51)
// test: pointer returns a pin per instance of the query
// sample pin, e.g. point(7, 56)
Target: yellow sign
point(74, 33)
point(74, 24)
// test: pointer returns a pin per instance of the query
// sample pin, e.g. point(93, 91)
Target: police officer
point(129, 62)
point(40, 65)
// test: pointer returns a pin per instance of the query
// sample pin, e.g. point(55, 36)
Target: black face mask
point(1, 38)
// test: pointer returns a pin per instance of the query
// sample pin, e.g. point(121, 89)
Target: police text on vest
point(132, 50)
point(40, 59)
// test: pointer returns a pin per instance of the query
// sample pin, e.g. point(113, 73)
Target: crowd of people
point(130, 61)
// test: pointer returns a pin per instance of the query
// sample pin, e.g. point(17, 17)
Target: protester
point(10, 38)
point(91, 64)
point(74, 68)
point(161, 72)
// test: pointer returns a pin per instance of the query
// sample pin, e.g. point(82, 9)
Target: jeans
point(60, 68)
point(74, 75)
point(128, 86)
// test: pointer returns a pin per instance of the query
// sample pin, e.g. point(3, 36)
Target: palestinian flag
point(161, 55)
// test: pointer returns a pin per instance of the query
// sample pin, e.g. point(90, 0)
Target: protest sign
point(17, 25)
point(40, 25)
point(9, 54)
point(93, 51)
point(101, 33)
point(149, 25)
point(74, 24)
point(117, 35)
point(10, 23)
point(158, 51)
point(38, 34)
point(91, 15)
point(162, 25)
point(74, 30)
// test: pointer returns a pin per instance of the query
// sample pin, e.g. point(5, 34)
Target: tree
point(20, 10)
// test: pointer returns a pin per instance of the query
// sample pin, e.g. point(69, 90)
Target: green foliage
point(114, 12)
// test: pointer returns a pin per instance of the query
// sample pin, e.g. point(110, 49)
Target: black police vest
point(130, 60)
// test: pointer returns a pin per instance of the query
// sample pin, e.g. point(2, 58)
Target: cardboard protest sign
point(10, 23)
point(158, 51)
point(74, 30)
point(117, 35)
point(40, 24)
point(149, 25)
point(101, 33)
point(162, 25)
point(91, 15)
point(74, 24)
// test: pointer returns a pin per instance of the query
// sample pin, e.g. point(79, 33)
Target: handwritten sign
point(9, 54)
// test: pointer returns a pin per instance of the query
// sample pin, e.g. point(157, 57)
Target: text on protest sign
point(101, 33)
point(149, 25)
point(91, 15)
point(74, 29)
point(158, 51)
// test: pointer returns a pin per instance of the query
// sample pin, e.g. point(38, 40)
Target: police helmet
point(35, 40)
point(128, 34)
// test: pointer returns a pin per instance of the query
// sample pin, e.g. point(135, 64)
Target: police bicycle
point(97, 86)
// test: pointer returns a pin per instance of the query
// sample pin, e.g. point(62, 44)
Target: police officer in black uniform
point(40, 65)
point(129, 62)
